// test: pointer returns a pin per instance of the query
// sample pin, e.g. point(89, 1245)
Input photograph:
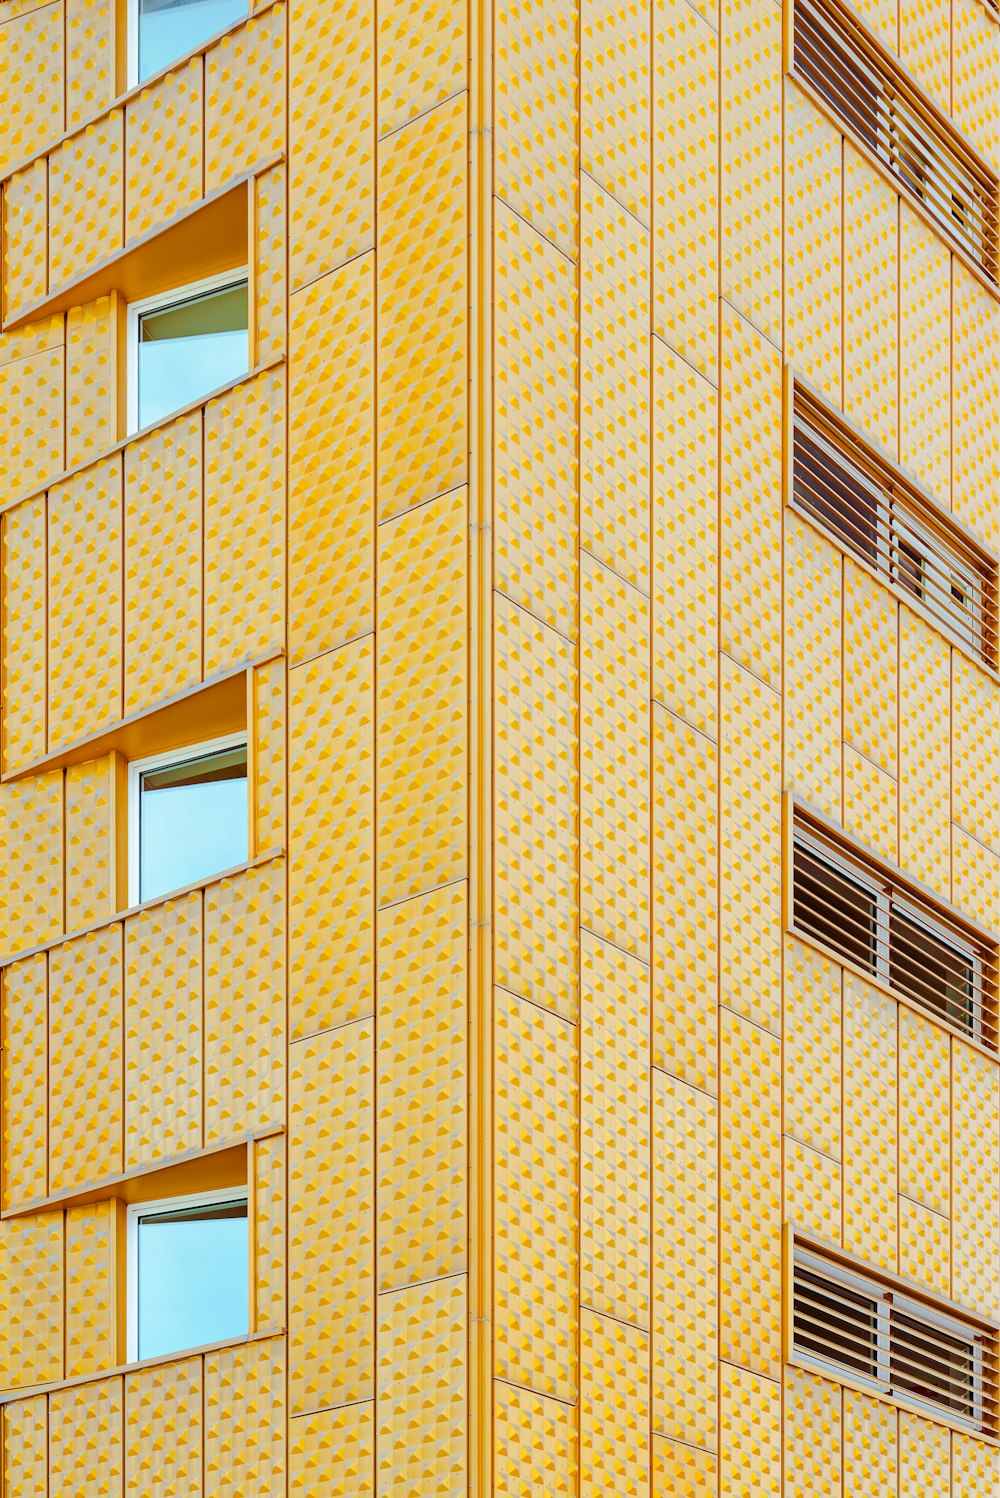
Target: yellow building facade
point(552, 1083)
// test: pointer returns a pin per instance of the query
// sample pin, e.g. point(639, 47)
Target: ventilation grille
point(854, 908)
point(873, 511)
point(847, 68)
point(901, 1346)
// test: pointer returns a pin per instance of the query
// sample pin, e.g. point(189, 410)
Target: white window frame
point(132, 79)
point(160, 303)
point(151, 1209)
point(185, 755)
point(855, 875)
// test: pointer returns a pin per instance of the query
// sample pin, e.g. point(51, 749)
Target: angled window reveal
point(185, 344)
point(887, 113)
point(161, 31)
point(880, 516)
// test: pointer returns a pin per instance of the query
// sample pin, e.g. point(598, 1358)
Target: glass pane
point(170, 28)
point(836, 1323)
point(932, 971)
point(835, 910)
point(192, 1277)
point(926, 1361)
point(189, 348)
point(192, 820)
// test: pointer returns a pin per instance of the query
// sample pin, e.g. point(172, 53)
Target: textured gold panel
point(924, 1246)
point(812, 1051)
point(31, 1282)
point(86, 176)
point(813, 1436)
point(164, 163)
point(270, 269)
point(870, 667)
point(421, 1413)
point(614, 1408)
point(975, 879)
point(974, 403)
point(331, 1227)
point(91, 1273)
point(924, 757)
point(269, 770)
point(25, 1087)
point(536, 1203)
point(270, 1202)
point(750, 1447)
point(975, 773)
point(871, 297)
point(245, 1420)
point(25, 201)
point(332, 1454)
point(421, 670)
point(85, 1440)
point(536, 842)
point(812, 258)
point(245, 97)
point(813, 1191)
point(750, 1198)
point(535, 1445)
point(331, 460)
point(975, 1123)
point(685, 1261)
point(924, 1457)
point(973, 89)
point(422, 308)
point(91, 379)
point(24, 620)
point(90, 836)
point(26, 1449)
point(813, 666)
point(163, 1431)
point(871, 1460)
point(871, 804)
point(870, 1123)
point(32, 411)
point(924, 1111)
point(924, 352)
point(614, 100)
point(163, 1030)
point(85, 1059)
point(90, 69)
point(535, 423)
point(975, 1465)
point(421, 59)
point(31, 64)
point(682, 1472)
point(331, 811)
point(31, 855)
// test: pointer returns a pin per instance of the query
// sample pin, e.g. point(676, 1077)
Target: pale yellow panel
point(925, 47)
point(750, 483)
point(91, 1288)
point(535, 1445)
point(975, 879)
point(871, 1458)
point(86, 187)
point(924, 1247)
point(975, 1467)
point(924, 757)
point(245, 97)
point(422, 309)
point(924, 1111)
point(685, 1262)
point(870, 667)
point(685, 901)
point(331, 458)
point(85, 1440)
point(26, 1449)
point(32, 64)
point(813, 249)
point(751, 1435)
point(23, 613)
point(871, 297)
point(163, 1431)
point(85, 1059)
point(270, 268)
point(25, 202)
point(332, 1454)
point(924, 1456)
point(421, 705)
point(536, 1203)
point(812, 1031)
point(813, 666)
point(269, 769)
point(89, 59)
point(973, 77)
point(244, 1418)
point(32, 1286)
point(614, 1408)
point(813, 1436)
point(270, 1200)
point(975, 1122)
point(813, 1191)
point(331, 1224)
point(536, 840)
point(535, 424)
point(91, 379)
point(163, 148)
point(975, 785)
point(421, 58)
point(421, 1088)
point(614, 100)
point(32, 411)
point(90, 835)
point(681, 1471)
point(421, 1413)
point(331, 839)
point(31, 855)
point(750, 1194)
point(870, 1123)
point(750, 847)
point(975, 407)
point(25, 1092)
point(924, 353)
point(871, 804)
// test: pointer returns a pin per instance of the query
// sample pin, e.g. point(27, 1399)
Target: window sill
point(834, 1374)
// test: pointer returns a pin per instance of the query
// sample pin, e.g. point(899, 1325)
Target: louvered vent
point(898, 1343)
point(885, 112)
point(873, 510)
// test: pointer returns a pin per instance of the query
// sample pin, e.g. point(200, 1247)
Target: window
point(899, 1344)
point(852, 906)
point(188, 817)
point(181, 347)
point(187, 1272)
point(161, 31)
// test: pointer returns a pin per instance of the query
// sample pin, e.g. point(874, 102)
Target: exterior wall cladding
point(494, 554)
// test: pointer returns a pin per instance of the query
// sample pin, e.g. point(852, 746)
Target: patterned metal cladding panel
point(686, 183)
point(164, 148)
point(331, 145)
point(924, 1112)
point(90, 64)
point(90, 835)
point(26, 1449)
point(535, 1445)
point(924, 1247)
point(31, 836)
point(870, 1124)
point(871, 804)
point(871, 694)
point(750, 1459)
point(975, 879)
point(924, 352)
point(23, 615)
point(536, 1203)
point(975, 410)
point(750, 1197)
point(813, 1436)
point(924, 753)
point(615, 1085)
point(614, 385)
point(85, 602)
point(536, 61)
point(86, 1430)
point(31, 63)
point(750, 847)
point(685, 1375)
point(91, 389)
point(882, 16)
point(685, 901)
point(26, 247)
point(975, 1122)
point(871, 1455)
point(25, 1081)
point(91, 1332)
point(536, 791)
point(31, 1281)
point(973, 76)
point(421, 707)
point(422, 309)
point(615, 100)
point(164, 1032)
point(244, 1449)
point(924, 1457)
point(750, 482)
point(750, 186)
point(245, 97)
point(332, 1454)
point(871, 298)
point(813, 1049)
point(270, 1205)
point(421, 59)
point(685, 540)
point(813, 667)
point(614, 1408)
point(270, 263)
point(331, 460)
point(535, 423)
point(813, 245)
point(32, 410)
point(245, 1002)
point(975, 1467)
point(245, 521)
point(331, 813)
point(331, 1224)
point(269, 769)
point(614, 723)
point(86, 174)
point(421, 1085)
point(85, 1059)
point(813, 1191)
point(680, 1471)
point(163, 1431)
point(421, 1411)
